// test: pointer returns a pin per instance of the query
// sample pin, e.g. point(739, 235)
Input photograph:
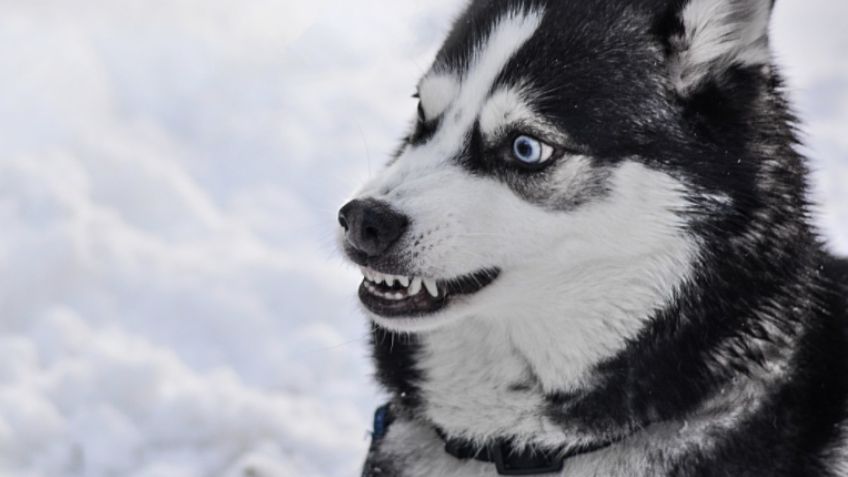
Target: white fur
point(420, 452)
point(575, 287)
point(436, 92)
point(425, 184)
point(488, 60)
point(718, 33)
point(504, 108)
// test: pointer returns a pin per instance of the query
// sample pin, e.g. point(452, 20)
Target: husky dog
point(592, 255)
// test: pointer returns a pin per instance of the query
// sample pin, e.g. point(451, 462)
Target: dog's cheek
point(461, 222)
point(506, 228)
point(460, 227)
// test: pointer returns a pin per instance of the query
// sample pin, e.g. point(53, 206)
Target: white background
point(171, 300)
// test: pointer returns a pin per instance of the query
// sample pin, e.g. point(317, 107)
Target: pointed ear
point(711, 36)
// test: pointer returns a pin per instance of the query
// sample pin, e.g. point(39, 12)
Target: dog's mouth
point(392, 296)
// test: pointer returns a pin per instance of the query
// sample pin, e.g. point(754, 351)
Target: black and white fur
point(660, 288)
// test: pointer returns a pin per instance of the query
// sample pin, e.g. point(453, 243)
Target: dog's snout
point(371, 226)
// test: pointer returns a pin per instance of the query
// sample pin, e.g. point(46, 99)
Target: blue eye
point(531, 151)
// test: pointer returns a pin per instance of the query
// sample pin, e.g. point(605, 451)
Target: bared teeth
point(431, 287)
point(412, 285)
point(415, 287)
point(371, 289)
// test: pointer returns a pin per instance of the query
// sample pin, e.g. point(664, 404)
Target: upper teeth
point(415, 287)
point(412, 284)
point(431, 287)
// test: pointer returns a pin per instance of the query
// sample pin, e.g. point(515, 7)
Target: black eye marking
point(422, 116)
point(424, 129)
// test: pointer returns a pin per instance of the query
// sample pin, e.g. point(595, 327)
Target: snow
point(811, 44)
point(171, 300)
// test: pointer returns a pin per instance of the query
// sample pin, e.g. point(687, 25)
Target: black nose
point(371, 226)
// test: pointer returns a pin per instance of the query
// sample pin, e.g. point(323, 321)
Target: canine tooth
point(431, 287)
point(404, 281)
point(415, 287)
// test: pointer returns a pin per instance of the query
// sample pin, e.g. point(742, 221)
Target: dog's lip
point(393, 296)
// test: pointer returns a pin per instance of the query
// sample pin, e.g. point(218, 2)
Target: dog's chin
point(416, 305)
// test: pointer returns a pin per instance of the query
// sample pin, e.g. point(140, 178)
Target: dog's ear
point(706, 38)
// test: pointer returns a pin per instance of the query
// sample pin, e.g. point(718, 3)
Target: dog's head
point(565, 154)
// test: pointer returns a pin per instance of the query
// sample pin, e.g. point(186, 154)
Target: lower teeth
point(388, 296)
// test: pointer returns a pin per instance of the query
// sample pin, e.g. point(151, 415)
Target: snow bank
point(171, 304)
point(86, 400)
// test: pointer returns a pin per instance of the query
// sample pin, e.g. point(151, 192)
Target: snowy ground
point(171, 302)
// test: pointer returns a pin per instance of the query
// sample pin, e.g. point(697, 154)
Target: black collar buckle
point(507, 462)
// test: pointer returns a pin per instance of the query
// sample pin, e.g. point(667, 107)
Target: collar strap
point(507, 460)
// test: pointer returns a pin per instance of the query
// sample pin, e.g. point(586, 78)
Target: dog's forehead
point(485, 55)
point(460, 94)
point(592, 68)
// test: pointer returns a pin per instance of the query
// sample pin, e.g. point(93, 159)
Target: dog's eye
point(531, 151)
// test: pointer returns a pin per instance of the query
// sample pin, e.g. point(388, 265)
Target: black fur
point(766, 293)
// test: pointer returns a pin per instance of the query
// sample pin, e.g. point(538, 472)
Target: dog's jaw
point(414, 304)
